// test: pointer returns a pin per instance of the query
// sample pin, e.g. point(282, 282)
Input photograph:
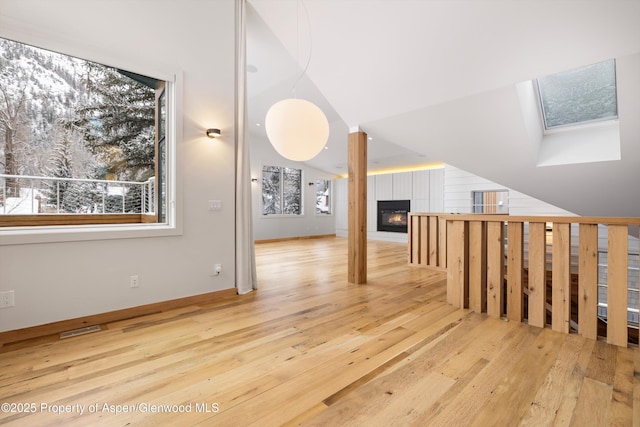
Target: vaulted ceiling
point(438, 81)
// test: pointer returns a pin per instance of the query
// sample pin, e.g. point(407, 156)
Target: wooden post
point(515, 266)
point(495, 268)
point(458, 263)
point(561, 278)
point(433, 241)
point(537, 274)
point(588, 281)
point(424, 240)
point(478, 266)
point(357, 215)
point(617, 283)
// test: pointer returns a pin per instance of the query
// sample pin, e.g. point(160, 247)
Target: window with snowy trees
point(281, 191)
point(77, 137)
point(582, 95)
point(323, 196)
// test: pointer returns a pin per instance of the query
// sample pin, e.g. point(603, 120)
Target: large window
point(578, 96)
point(323, 196)
point(81, 138)
point(281, 191)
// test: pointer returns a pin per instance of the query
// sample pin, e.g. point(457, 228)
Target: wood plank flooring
point(310, 349)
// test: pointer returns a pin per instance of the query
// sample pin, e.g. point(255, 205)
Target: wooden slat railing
point(427, 240)
point(476, 255)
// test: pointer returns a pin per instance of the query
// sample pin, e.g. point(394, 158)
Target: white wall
point(57, 281)
point(267, 227)
point(423, 188)
point(438, 190)
point(487, 134)
point(459, 184)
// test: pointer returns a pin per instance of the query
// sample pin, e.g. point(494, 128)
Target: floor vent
point(81, 331)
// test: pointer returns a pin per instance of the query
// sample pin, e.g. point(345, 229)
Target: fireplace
point(393, 215)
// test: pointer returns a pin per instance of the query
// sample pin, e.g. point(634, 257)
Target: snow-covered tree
point(118, 123)
point(35, 91)
point(12, 102)
point(281, 190)
point(292, 191)
point(61, 166)
point(271, 190)
point(106, 119)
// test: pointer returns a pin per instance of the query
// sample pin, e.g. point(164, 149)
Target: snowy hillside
point(68, 118)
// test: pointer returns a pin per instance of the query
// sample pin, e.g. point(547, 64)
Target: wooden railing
point(486, 272)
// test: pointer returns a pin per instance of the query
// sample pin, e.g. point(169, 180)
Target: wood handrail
point(485, 260)
point(533, 218)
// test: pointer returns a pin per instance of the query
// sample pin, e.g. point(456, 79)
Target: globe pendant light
point(297, 128)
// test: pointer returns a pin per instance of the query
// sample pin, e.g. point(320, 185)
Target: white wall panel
point(372, 215)
point(402, 185)
point(420, 205)
point(421, 185)
point(384, 187)
point(371, 187)
point(436, 190)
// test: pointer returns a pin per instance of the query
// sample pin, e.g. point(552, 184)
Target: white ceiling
point(271, 76)
point(434, 80)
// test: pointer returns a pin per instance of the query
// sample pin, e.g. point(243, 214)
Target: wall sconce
point(213, 133)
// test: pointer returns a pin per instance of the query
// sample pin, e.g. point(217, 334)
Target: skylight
point(582, 95)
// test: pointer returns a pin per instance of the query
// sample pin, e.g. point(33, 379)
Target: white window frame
point(302, 194)
point(579, 125)
point(330, 213)
point(498, 206)
point(174, 95)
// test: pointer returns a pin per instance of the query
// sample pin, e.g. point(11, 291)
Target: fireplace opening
point(393, 215)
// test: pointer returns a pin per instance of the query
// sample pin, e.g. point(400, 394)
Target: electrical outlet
point(134, 281)
point(7, 299)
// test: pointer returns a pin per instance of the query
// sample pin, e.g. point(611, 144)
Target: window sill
point(41, 220)
point(29, 229)
point(282, 216)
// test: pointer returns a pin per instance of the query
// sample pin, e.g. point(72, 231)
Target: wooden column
point(357, 217)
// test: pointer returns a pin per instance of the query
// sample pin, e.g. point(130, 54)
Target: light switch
point(215, 205)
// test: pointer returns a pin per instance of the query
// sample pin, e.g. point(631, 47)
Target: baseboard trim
point(285, 239)
point(38, 331)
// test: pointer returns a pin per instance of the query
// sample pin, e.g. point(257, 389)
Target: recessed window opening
point(80, 138)
point(579, 96)
point(490, 202)
point(323, 196)
point(281, 191)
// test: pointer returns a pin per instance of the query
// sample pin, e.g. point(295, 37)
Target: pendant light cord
point(306, 67)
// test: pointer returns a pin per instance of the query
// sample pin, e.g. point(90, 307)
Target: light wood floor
point(309, 348)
